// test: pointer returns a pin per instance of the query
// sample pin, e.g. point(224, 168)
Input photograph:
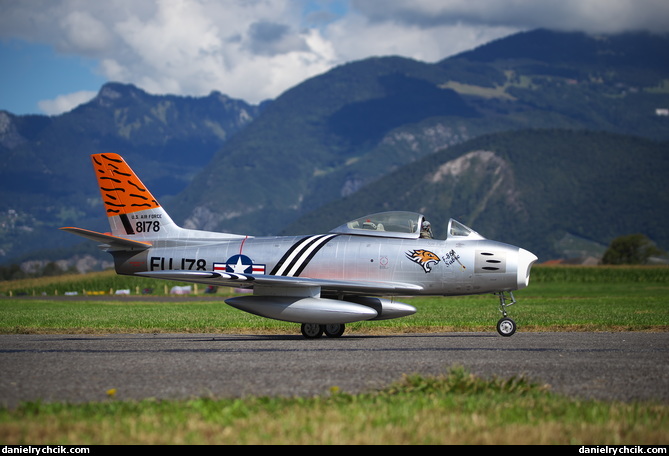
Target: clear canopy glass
point(398, 224)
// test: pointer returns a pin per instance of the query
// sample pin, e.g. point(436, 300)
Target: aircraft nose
point(525, 261)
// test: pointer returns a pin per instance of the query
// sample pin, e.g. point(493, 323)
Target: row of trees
point(14, 271)
point(631, 249)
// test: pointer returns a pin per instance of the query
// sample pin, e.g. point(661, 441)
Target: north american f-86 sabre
point(353, 273)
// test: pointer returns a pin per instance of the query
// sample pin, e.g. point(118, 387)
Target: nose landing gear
point(505, 326)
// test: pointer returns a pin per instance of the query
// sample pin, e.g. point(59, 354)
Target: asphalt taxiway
point(77, 368)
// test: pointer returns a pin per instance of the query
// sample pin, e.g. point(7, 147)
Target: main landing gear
point(505, 326)
point(314, 330)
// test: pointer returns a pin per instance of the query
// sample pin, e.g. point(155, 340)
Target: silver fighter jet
point(322, 281)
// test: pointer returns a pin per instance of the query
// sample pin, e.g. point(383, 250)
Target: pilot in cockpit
point(425, 230)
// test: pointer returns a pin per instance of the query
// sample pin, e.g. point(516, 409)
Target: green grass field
point(558, 299)
point(457, 408)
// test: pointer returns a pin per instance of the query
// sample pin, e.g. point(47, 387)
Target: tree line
point(15, 272)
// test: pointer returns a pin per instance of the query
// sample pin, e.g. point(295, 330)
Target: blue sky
point(35, 72)
point(56, 54)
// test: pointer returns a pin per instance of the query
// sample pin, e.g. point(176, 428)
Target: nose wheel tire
point(506, 327)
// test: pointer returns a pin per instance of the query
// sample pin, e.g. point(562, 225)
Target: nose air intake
point(525, 261)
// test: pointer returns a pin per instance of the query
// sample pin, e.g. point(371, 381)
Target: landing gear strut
point(314, 330)
point(505, 326)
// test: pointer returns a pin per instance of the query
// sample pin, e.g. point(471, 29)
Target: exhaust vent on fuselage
point(489, 262)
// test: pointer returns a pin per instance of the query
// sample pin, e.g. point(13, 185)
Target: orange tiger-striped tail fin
point(122, 191)
point(130, 206)
point(136, 218)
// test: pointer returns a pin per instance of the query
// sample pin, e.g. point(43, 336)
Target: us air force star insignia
point(240, 264)
point(239, 267)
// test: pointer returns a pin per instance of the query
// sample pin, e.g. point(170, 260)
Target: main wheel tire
point(312, 330)
point(334, 329)
point(506, 327)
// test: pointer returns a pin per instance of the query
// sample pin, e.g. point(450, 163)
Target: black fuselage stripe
point(287, 255)
point(299, 259)
point(307, 260)
point(295, 256)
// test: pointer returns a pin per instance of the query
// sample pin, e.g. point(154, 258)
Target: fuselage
point(439, 267)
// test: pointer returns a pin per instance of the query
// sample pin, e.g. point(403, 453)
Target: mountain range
point(554, 141)
point(46, 178)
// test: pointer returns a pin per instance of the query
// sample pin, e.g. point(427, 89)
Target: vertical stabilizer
point(130, 206)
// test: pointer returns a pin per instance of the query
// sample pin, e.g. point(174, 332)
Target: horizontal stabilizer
point(114, 242)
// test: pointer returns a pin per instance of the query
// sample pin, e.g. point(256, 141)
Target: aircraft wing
point(249, 280)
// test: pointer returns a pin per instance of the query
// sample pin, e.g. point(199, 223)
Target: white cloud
point(85, 33)
point(256, 49)
point(357, 37)
point(65, 103)
point(594, 16)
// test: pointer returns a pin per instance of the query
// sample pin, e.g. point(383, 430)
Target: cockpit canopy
point(398, 224)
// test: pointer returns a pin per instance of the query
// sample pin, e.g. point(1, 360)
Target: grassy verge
point(94, 283)
point(457, 408)
point(558, 299)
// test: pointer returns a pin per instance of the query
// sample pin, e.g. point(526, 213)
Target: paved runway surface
point(75, 368)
